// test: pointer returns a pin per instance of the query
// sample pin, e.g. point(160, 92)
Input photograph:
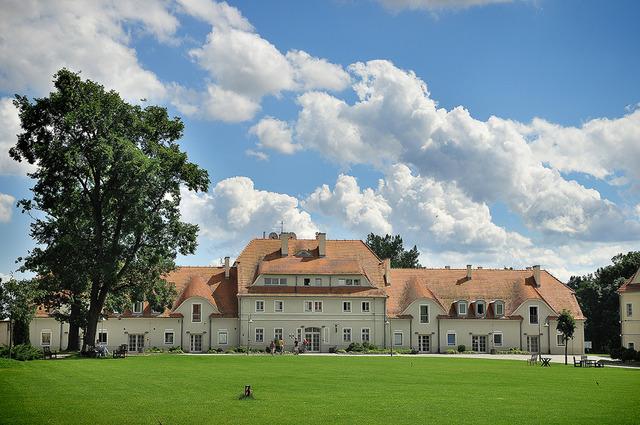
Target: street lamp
point(388, 323)
point(249, 334)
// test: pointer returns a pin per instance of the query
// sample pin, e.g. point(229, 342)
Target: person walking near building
point(281, 346)
point(305, 344)
point(296, 348)
point(272, 348)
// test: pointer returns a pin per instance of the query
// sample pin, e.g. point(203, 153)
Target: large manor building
point(629, 294)
point(335, 292)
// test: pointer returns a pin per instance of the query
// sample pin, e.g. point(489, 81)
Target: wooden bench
point(46, 352)
point(533, 360)
point(120, 352)
point(577, 363)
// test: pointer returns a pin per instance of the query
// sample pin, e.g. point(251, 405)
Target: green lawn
point(176, 389)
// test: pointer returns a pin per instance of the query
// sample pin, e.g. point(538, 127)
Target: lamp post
point(546, 325)
point(249, 334)
point(388, 323)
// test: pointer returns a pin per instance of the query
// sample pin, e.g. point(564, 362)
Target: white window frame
point(306, 281)
point(347, 335)
point(259, 306)
point(258, 332)
point(193, 313)
point(346, 306)
point(537, 315)
point(366, 331)
point(275, 306)
point(631, 345)
point(499, 304)
point(42, 334)
point(395, 335)
point(420, 313)
point(308, 306)
point(368, 307)
point(466, 309)
point(484, 308)
point(138, 310)
point(629, 310)
point(498, 344)
point(221, 340)
point(318, 281)
point(326, 335)
point(106, 334)
point(315, 306)
point(356, 282)
point(559, 340)
point(173, 337)
point(278, 333)
point(455, 338)
point(342, 282)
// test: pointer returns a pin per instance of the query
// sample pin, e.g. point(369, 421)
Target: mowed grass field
point(179, 389)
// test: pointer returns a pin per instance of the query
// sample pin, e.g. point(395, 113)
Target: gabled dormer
point(462, 308)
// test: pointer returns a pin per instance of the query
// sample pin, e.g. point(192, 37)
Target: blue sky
point(491, 133)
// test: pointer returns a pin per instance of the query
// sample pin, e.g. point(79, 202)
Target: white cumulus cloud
point(6, 207)
point(275, 134)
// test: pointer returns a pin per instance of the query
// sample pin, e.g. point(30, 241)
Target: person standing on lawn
point(272, 348)
point(281, 346)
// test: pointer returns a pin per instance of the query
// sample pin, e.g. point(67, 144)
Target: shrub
point(369, 346)
point(240, 349)
point(469, 352)
point(154, 350)
point(341, 351)
point(451, 351)
point(629, 355)
point(21, 352)
point(354, 346)
point(175, 349)
point(462, 348)
point(616, 353)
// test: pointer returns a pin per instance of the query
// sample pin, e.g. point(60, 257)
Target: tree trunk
point(92, 325)
point(74, 328)
point(566, 345)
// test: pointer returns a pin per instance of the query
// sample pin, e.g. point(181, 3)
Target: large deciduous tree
point(106, 198)
point(392, 247)
point(16, 304)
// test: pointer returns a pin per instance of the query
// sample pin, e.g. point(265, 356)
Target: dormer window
point(137, 307)
point(481, 309)
point(498, 308)
point(462, 308)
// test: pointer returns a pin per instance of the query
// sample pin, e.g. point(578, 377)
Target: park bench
point(533, 360)
point(577, 363)
point(46, 352)
point(120, 351)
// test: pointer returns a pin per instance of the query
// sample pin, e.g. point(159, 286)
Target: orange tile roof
point(445, 286)
point(632, 284)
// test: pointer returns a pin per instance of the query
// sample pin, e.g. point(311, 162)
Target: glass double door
point(313, 338)
point(424, 343)
point(136, 343)
point(479, 343)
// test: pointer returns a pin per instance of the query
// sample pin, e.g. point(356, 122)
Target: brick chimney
point(536, 275)
point(284, 237)
point(226, 267)
point(322, 244)
point(387, 271)
point(468, 271)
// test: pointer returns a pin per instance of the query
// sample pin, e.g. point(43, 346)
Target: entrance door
point(196, 343)
point(479, 343)
point(532, 344)
point(136, 343)
point(424, 343)
point(313, 338)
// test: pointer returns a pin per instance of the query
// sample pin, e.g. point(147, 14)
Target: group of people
point(278, 345)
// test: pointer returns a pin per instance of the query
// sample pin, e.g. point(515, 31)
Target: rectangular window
point(102, 337)
point(196, 313)
point(317, 306)
point(397, 338)
point(307, 281)
point(533, 314)
point(45, 337)
point(346, 335)
point(356, 282)
point(137, 307)
point(278, 306)
point(283, 281)
point(259, 305)
point(499, 306)
point(341, 282)
point(480, 308)
point(497, 339)
point(631, 345)
point(559, 340)
point(451, 338)
point(318, 281)
point(366, 307)
point(462, 308)
point(168, 337)
point(629, 310)
point(424, 314)
point(267, 281)
point(259, 335)
point(366, 335)
point(275, 281)
point(223, 338)
point(308, 306)
point(346, 306)
point(277, 333)
point(325, 336)
point(532, 344)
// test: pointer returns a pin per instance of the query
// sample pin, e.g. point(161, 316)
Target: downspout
point(61, 324)
point(438, 320)
point(411, 334)
point(181, 330)
point(521, 334)
point(384, 332)
point(239, 320)
point(210, 337)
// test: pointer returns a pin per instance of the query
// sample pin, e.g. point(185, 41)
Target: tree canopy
point(566, 326)
point(599, 301)
point(392, 247)
point(16, 304)
point(106, 196)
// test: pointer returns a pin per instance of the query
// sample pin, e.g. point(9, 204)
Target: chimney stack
point(468, 271)
point(322, 244)
point(226, 267)
point(387, 271)
point(284, 237)
point(536, 275)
